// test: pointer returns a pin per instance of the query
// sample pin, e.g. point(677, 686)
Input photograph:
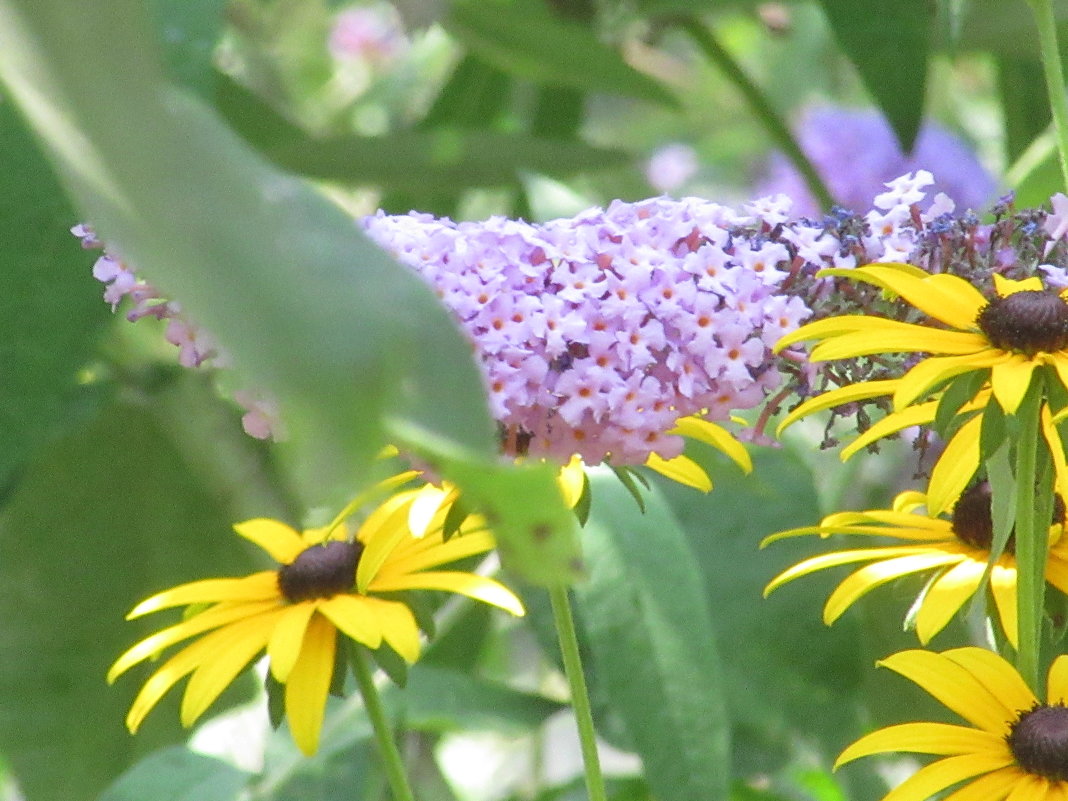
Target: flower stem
point(1051, 64)
point(1032, 499)
point(387, 746)
point(580, 698)
point(761, 107)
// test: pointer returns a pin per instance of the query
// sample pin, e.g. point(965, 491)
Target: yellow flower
point(685, 470)
point(1016, 747)
point(328, 582)
point(955, 551)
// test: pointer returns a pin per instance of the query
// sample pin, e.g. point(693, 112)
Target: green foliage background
point(121, 473)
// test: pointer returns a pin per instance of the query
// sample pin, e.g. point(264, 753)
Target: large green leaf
point(50, 306)
point(178, 774)
point(189, 31)
point(1024, 102)
point(890, 50)
point(104, 517)
point(649, 628)
point(524, 38)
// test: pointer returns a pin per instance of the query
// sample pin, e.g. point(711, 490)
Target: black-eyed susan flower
point(955, 552)
point(1015, 748)
point(329, 582)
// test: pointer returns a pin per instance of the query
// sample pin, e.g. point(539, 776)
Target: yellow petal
point(946, 298)
point(682, 469)
point(1030, 788)
point(721, 439)
point(283, 646)
point(1056, 446)
point(1057, 681)
point(944, 739)
point(478, 587)
point(428, 502)
point(1008, 286)
point(257, 587)
point(901, 338)
point(836, 397)
point(380, 533)
point(991, 787)
point(996, 675)
point(197, 624)
point(891, 424)
point(355, 618)
point(1010, 381)
point(282, 542)
point(945, 773)
point(836, 558)
point(955, 468)
point(921, 378)
point(1059, 360)
point(859, 583)
point(309, 684)
point(572, 481)
point(946, 596)
point(955, 687)
point(413, 555)
point(1003, 587)
point(398, 626)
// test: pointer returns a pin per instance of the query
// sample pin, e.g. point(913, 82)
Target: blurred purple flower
point(856, 153)
point(671, 166)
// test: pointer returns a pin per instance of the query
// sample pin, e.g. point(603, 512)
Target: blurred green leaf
point(51, 310)
point(189, 31)
point(1024, 102)
point(178, 774)
point(890, 50)
point(104, 517)
point(524, 38)
point(650, 632)
point(311, 310)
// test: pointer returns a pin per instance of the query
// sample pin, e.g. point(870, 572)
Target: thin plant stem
point(773, 123)
point(580, 698)
point(1051, 65)
point(387, 746)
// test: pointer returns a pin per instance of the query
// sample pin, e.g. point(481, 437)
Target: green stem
point(1051, 64)
point(580, 698)
point(387, 746)
point(761, 107)
point(1031, 536)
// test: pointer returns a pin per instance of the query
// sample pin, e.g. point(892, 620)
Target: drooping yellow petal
point(991, 787)
point(282, 542)
point(1009, 286)
point(309, 684)
point(850, 393)
point(859, 583)
point(197, 624)
point(996, 675)
point(1003, 588)
point(721, 439)
point(955, 468)
point(283, 647)
point(216, 673)
point(572, 481)
point(473, 586)
point(891, 424)
point(946, 596)
point(1057, 681)
point(930, 372)
point(1056, 446)
point(682, 469)
point(946, 298)
point(954, 687)
point(261, 586)
point(1010, 381)
point(399, 628)
point(1059, 360)
point(812, 564)
point(944, 739)
point(944, 773)
point(354, 618)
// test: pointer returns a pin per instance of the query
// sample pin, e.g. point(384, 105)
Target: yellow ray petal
point(836, 397)
point(478, 587)
point(1003, 587)
point(428, 502)
point(380, 533)
point(216, 672)
point(1056, 446)
point(919, 380)
point(991, 787)
point(1030, 788)
point(1057, 681)
point(283, 646)
point(354, 618)
point(1010, 381)
point(282, 542)
point(197, 624)
point(946, 298)
point(407, 558)
point(257, 587)
point(1009, 286)
point(955, 468)
point(903, 338)
point(398, 626)
point(859, 583)
point(944, 739)
point(946, 596)
point(1059, 360)
point(718, 437)
point(954, 686)
point(309, 684)
point(891, 424)
point(944, 773)
point(836, 558)
point(682, 469)
point(572, 481)
point(996, 675)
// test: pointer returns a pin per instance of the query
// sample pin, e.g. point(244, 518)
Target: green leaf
point(51, 311)
point(310, 309)
point(1024, 102)
point(104, 517)
point(190, 30)
point(178, 774)
point(524, 38)
point(890, 50)
point(959, 391)
point(649, 628)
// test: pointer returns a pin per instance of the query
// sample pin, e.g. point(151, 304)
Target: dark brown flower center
point(973, 523)
point(320, 571)
point(1026, 322)
point(1039, 742)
